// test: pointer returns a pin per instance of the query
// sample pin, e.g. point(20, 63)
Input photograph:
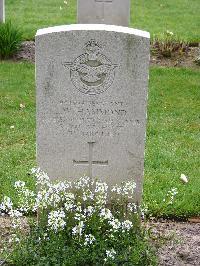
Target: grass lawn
point(173, 137)
point(173, 140)
point(156, 16)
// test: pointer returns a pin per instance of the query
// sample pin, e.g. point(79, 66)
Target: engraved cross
point(103, 2)
point(90, 162)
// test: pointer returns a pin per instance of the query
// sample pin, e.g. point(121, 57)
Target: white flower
point(15, 214)
point(27, 198)
point(35, 170)
point(110, 254)
point(127, 189)
point(79, 216)
point(127, 225)
point(115, 223)
point(106, 214)
point(16, 221)
point(17, 240)
point(132, 207)
point(14, 238)
point(143, 210)
point(77, 230)
point(101, 200)
point(56, 220)
point(6, 204)
point(19, 184)
point(117, 189)
point(184, 178)
point(83, 182)
point(42, 178)
point(89, 239)
point(69, 201)
point(101, 192)
point(171, 195)
point(173, 191)
point(101, 187)
point(89, 211)
point(42, 199)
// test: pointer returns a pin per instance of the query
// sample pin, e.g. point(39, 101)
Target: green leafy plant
point(84, 222)
point(166, 44)
point(10, 39)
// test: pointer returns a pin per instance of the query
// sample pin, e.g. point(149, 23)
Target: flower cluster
point(26, 197)
point(110, 254)
point(170, 196)
point(84, 208)
point(56, 220)
point(6, 207)
point(125, 190)
point(89, 239)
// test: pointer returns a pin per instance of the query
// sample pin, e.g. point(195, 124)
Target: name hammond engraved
point(92, 73)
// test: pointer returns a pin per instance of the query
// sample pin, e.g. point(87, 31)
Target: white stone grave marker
point(114, 12)
point(92, 85)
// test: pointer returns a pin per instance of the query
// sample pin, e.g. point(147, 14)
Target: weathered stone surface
point(91, 102)
point(114, 12)
point(2, 11)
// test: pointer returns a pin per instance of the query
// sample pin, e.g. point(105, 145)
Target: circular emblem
point(92, 72)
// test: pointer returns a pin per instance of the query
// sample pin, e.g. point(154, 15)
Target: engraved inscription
point(92, 118)
point(92, 72)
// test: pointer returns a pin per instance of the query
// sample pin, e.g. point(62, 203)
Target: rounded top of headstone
point(93, 27)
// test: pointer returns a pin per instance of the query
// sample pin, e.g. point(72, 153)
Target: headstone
point(2, 11)
point(114, 12)
point(92, 85)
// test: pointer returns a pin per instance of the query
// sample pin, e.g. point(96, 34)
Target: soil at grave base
point(177, 243)
point(27, 52)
